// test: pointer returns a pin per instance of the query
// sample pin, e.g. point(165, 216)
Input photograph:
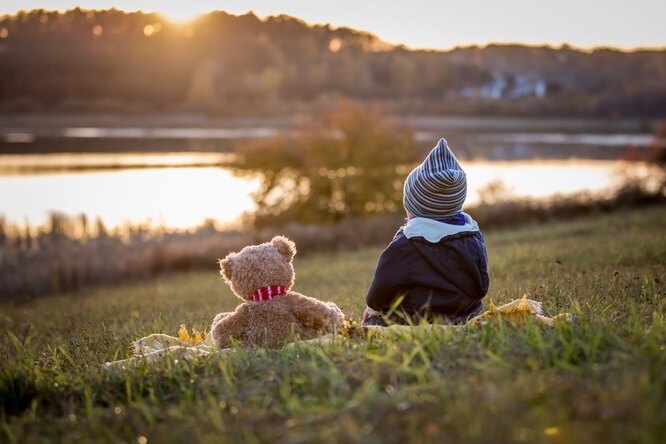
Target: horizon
point(401, 35)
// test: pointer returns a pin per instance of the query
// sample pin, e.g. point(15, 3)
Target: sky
point(436, 24)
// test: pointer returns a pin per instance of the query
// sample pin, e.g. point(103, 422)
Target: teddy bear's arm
point(313, 312)
point(218, 317)
point(229, 328)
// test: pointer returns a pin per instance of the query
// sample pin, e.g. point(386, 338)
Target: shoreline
point(419, 121)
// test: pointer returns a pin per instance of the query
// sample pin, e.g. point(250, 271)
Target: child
point(436, 266)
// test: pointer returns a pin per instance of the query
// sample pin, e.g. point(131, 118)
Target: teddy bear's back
point(274, 322)
point(270, 324)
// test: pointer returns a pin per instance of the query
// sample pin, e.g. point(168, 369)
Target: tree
point(351, 163)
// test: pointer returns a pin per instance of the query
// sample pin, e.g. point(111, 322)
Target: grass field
point(601, 379)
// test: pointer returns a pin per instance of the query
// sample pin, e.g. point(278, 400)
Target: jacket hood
point(434, 231)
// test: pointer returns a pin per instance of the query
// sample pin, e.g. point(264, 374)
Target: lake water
point(182, 190)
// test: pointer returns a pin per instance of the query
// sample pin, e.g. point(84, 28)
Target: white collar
point(433, 231)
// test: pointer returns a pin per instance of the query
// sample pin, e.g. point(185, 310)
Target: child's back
point(437, 263)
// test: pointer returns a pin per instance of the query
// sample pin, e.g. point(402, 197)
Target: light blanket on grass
point(158, 346)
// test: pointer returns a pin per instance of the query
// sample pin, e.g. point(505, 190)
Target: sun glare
point(148, 30)
point(180, 14)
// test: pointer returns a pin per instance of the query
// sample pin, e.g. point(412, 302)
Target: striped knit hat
point(437, 188)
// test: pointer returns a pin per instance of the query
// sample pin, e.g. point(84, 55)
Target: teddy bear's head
point(260, 266)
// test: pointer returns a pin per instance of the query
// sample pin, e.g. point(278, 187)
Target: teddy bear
point(271, 314)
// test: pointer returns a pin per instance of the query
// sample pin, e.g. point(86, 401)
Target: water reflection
point(173, 197)
point(171, 133)
point(186, 196)
point(36, 163)
point(541, 178)
point(617, 140)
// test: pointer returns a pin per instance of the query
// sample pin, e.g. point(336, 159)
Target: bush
point(352, 164)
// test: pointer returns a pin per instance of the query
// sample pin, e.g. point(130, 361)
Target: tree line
point(242, 65)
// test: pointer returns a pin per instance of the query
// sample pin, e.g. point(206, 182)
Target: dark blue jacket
point(446, 278)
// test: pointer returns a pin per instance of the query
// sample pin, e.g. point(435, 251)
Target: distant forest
point(112, 61)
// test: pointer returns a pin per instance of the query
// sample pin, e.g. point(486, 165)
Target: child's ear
point(284, 246)
point(226, 267)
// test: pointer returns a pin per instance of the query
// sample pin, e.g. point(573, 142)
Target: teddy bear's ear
point(226, 267)
point(284, 246)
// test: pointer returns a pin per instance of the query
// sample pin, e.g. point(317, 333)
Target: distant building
point(540, 88)
point(496, 89)
point(508, 87)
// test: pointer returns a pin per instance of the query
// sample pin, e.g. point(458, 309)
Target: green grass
point(602, 379)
